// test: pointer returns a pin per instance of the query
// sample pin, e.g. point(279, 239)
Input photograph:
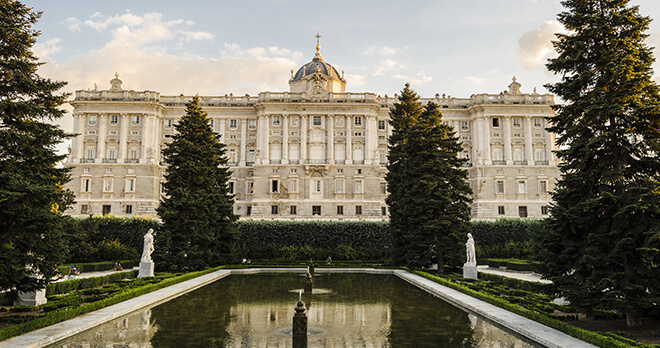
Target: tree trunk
point(633, 317)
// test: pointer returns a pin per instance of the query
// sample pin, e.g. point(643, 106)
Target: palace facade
point(314, 152)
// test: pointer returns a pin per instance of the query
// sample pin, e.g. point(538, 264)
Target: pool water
point(345, 310)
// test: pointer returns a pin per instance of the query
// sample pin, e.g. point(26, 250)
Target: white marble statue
point(471, 254)
point(148, 246)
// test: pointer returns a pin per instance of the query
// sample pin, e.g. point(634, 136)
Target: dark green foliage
point(303, 240)
point(508, 238)
point(198, 221)
point(604, 247)
point(32, 193)
point(429, 194)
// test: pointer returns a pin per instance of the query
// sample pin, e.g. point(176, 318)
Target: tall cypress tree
point(198, 220)
point(429, 194)
point(602, 251)
point(32, 193)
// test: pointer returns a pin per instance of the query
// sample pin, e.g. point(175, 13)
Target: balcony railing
point(499, 163)
point(109, 160)
point(276, 161)
point(294, 161)
point(541, 163)
point(132, 160)
point(467, 165)
point(86, 160)
point(358, 161)
point(316, 161)
point(520, 163)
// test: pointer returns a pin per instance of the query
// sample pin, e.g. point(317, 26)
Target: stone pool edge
point(522, 326)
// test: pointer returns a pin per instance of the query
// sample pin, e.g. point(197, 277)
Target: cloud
point(383, 51)
point(49, 47)
point(74, 24)
point(385, 66)
point(535, 47)
point(388, 50)
point(475, 80)
point(195, 35)
point(421, 78)
point(355, 80)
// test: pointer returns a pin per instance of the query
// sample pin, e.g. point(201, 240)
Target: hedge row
point(513, 264)
point(86, 283)
point(585, 335)
point(56, 317)
point(99, 266)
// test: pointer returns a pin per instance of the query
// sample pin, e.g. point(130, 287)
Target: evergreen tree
point(429, 195)
point(32, 193)
point(602, 251)
point(198, 221)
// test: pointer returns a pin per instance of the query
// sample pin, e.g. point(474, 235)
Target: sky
point(452, 47)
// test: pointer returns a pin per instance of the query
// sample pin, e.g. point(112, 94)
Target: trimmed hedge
point(513, 264)
point(585, 335)
point(86, 283)
point(59, 316)
point(508, 238)
point(98, 266)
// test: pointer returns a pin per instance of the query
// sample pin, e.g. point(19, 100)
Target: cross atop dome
point(318, 47)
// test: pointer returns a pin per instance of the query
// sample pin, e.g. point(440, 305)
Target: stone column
point(262, 129)
point(369, 137)
point(285, 139)
point(330, 139)
point(486, 140)
point(223, 127)
point(152, 136)
point(144, 137)
point(477, 149)
point(100, 145)
point(349, 141)
point(506, 126)
point(549, 143)
point(77, 142)
point(243, 144)
point(529, 154)
point(123, 138)
point(303, 139)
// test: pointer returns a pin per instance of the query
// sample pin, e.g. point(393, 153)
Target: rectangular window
point(86, 170)
point(92, 119)
point(294, 210)
point(381, 124)
point(130, 185)
point(358, 120)
point(273, 209)
point(112, 154)
point(90, 154)
point(522, 211)
point(106, 209)
point(276, 120)
point(232, 156)
point(86, 185)
point(500, 210)
point(340, 186)
point(162, 188)
point(114, 119)
point(358, 186)
point(340, 210)
point(500, 186)
point(516, 121)
point(543, 187)
point(316, 210)
point(317, 186)
point(167, 123)
point(537, 122)
point(522, 187)
point(358, 210)
point(250, 187)
point(382, 158)
point(135, 119)
point(84, 208)
point(293, 185)
point(317, 120)
point(107, 185)
point(383, 211)
point(252, 124)
point(231, 187)
point(211, 123)
point(274, 186)
point(129, 209)
point(465, 125)
point(544, 210)
point(233, 124)
point(383, 188)
point(496, 122)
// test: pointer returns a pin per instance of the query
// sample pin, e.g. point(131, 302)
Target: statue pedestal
point(146, 269)
point(470, 271)
point(32, 298)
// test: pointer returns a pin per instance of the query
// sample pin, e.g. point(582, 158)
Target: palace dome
point(316, 64)
point(315, 74)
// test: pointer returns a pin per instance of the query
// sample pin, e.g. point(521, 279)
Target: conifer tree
point(602, 251)
point(32, 193)
point(198, 221)
point(429, 194)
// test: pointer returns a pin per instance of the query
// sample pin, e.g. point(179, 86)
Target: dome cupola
point(315, 73)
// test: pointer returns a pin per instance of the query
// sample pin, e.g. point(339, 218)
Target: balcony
point(317, 161)
point(358, 161)
point(132, 160)
point(467, 165)
point(499, 163)
point(86, 160)
point(109, 160)
point(340, 161)
point(541, 163)
point(519, 163)
point(276, 161)
point(294, 161)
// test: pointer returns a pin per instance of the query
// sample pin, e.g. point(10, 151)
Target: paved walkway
point(530, 277)
point(96, 274)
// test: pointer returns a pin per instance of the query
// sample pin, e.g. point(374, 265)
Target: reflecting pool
point(345, 310)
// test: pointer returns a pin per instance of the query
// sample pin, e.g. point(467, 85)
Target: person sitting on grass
point(117, 267)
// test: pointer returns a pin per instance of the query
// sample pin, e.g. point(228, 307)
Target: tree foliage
point(197, 213)
point(602, 249)
point(32, 193)
point(429, 195)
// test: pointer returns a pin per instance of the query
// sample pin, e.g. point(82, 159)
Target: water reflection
point(356, 310)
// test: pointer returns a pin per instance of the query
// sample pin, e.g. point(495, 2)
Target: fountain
point(300, 325)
